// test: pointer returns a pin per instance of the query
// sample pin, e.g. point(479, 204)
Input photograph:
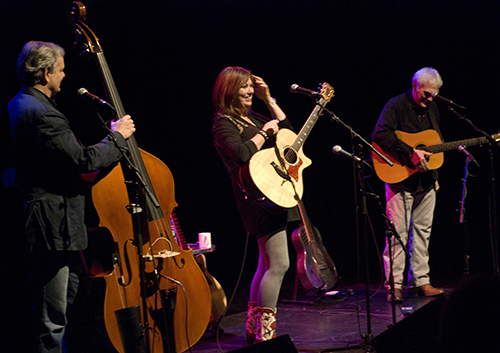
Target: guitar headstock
point(326, 91)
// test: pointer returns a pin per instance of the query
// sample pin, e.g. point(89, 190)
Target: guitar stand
point(294, 295)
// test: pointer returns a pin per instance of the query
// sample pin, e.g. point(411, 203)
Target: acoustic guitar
point(427, 140)
point(275, 173)
point(315, 268)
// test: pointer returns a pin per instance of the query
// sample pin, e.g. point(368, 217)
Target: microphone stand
point(139, 221)
point(362, 221)
point(355, 135)
point(463, 218)
point(362, 227)
point(389, 234)
point(133, 330)
point(491, 194)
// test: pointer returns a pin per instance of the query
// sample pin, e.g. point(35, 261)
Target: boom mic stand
point(362, 219)
point(362, 226)
point(139, 221)
point(491, 194)
point(390, 233)
point(463, 218)
point(133, 329)
point(363, 222)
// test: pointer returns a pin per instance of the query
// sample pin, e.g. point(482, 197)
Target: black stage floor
point(337, 323)
point(327, 323)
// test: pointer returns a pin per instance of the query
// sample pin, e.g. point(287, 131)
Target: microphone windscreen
point(82, 91)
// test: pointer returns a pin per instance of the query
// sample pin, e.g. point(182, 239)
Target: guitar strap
point(240, 123)
point(237, 120)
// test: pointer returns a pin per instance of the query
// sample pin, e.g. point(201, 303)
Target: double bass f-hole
point(155, 264)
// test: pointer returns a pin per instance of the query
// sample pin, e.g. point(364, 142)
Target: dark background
point(166, 55)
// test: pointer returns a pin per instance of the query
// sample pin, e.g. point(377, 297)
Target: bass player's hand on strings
point(124, 126)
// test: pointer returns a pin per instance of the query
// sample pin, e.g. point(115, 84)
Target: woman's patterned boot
point(266, 324)
point(251, 322)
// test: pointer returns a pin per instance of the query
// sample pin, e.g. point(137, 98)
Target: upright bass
point(134, 202)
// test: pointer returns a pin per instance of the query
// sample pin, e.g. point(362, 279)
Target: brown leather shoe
point(398, 296)
point(427, 290)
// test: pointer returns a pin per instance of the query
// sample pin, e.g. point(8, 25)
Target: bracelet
point(264, 135)
point(273, 101)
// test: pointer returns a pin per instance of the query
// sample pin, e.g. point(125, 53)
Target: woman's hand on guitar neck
point(124, 126)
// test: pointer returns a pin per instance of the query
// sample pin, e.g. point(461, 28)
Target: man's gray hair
point(427, 75)
point(34, 58)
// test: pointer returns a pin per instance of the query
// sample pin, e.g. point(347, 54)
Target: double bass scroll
point(141, 277)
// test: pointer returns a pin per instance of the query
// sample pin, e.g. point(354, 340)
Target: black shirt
point(404, 114)
point(231, 136)
point(50, 162)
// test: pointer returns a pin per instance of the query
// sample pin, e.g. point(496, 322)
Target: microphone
point(469, 155)
point(341, 152)
point(84, 94)
point(295, 88)
point(435, 95)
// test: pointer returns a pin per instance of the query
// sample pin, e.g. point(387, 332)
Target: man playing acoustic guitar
point(410, 202)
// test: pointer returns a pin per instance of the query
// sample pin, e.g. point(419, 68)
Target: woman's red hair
point(228, 83)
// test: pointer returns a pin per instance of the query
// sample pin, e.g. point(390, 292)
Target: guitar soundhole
point(423, 147)
point(290, 155)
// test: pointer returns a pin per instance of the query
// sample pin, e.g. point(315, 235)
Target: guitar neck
point(326, 94)
point(448, 146)
point(309, 124)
